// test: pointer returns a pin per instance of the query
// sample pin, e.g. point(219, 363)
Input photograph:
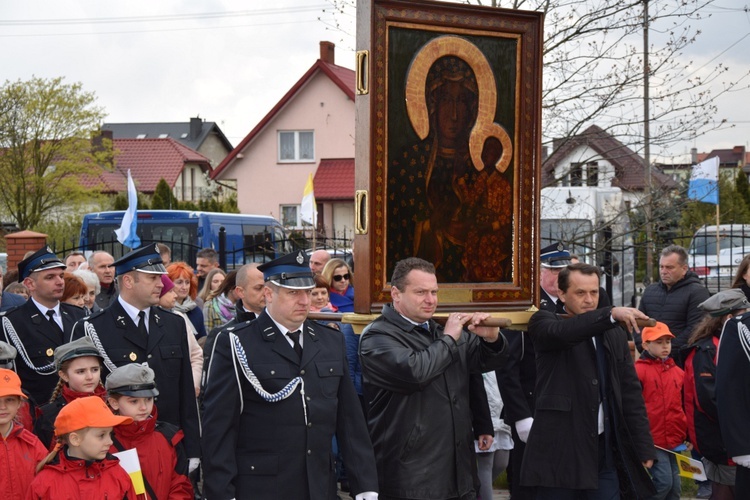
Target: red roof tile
point(149, 160)
point(334, 180)
point(343, 77)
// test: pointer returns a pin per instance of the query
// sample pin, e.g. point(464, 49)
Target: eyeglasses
point(339, 277)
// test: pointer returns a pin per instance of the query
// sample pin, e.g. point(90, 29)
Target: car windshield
point(705, 244)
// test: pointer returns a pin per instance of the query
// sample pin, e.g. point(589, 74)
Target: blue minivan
point(249, 238)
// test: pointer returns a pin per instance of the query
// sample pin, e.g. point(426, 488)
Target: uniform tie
point(51, 316)
point(142, 324)
point(295, 341)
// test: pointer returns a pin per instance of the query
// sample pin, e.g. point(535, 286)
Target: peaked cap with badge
point(554, 256)
point(289, 271)
point(145, 259)
point(42, 259)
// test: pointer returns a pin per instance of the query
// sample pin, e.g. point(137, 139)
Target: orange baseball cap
point(10, 384)
point(85, 412)
point(655, 332)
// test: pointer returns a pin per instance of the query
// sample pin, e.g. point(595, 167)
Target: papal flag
point(127, 232)
point(704, 181)
point(129, 461)
point(308, 211)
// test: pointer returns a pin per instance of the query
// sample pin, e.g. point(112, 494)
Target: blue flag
point(127, 233)
point(704, 181)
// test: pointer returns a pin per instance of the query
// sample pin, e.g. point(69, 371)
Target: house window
point(289, 215)
point(576, 174)
point(297, 146)
point(592, 174)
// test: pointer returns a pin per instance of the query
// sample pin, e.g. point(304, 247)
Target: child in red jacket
point(662, 381)
point(131, 390)
point(80, 465)
point(21, 450)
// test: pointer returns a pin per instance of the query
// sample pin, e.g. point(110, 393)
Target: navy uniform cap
point(134, 380)
point(145, 259)
point(40, 260)
point(554, 256)
point(289, 271)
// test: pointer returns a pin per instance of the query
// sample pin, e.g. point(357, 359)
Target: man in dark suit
point(517, 377)
point(134, 330)
point(278, 389)
point(590, 429)
point(41, 324)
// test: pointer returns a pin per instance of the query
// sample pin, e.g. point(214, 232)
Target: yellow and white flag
point(129, 461)
point(308, 212)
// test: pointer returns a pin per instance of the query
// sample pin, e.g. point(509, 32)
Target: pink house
point(309, 131)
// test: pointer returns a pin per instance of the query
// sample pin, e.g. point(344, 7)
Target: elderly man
point(590, 428)
point(416, 386)
point(134, 330)
point(41, 324)
point(318, 260)
point(101, 263)
point(674, 299)
point(278, 390)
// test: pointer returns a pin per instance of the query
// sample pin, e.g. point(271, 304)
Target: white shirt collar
point(133, 311)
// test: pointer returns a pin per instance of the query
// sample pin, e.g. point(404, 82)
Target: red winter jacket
point(662, 392)
point(20, 453)
point(68, 478)
point(157, 455)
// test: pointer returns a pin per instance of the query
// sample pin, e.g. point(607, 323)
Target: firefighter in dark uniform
point(40, 325)
point(278, 390)
point(133, 330)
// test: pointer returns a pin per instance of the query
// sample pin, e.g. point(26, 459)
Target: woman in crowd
point(92, 289)
point(219, 308)
point(700, 389)
point(214, 279)
point(167, 300)
point(75, 290)
point(742, 277)
point(186, 289)
point(339, 275)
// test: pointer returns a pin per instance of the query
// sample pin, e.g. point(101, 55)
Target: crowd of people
point(225, 389)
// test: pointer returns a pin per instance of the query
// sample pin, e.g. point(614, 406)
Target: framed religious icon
point(448, 150)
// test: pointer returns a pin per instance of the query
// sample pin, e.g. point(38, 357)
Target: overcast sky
point(230, 61)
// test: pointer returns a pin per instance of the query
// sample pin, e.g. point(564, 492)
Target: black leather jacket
point(416, 385)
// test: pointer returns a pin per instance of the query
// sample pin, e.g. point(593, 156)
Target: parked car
point(715, 253)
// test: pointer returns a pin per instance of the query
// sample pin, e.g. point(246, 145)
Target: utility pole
point(647, 152)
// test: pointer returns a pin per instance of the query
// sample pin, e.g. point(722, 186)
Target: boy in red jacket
point(662, 381)
point(22, 450)
point(80, 465)
point(131, 391)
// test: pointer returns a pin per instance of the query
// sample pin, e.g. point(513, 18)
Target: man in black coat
point(41, 324)
point(416, 385)
point(277, 391)
point(134, 330)
point(590, 429)
point(674, 299)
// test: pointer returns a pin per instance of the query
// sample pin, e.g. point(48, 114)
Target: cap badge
point(133, 356)
point(560, 247)
point(50, 351)
point(300, 258)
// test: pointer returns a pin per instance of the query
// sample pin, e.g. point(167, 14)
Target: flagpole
point(718, 245)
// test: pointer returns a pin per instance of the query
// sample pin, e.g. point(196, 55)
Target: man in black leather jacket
point(416, 386)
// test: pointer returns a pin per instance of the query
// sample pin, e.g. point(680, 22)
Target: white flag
point(308, 211)
point(127, 232)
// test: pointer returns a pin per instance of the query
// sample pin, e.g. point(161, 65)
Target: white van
point(714, 255)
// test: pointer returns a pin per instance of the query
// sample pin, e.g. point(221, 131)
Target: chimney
point(196, 125)
point(328, 52)
point(694, 156)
